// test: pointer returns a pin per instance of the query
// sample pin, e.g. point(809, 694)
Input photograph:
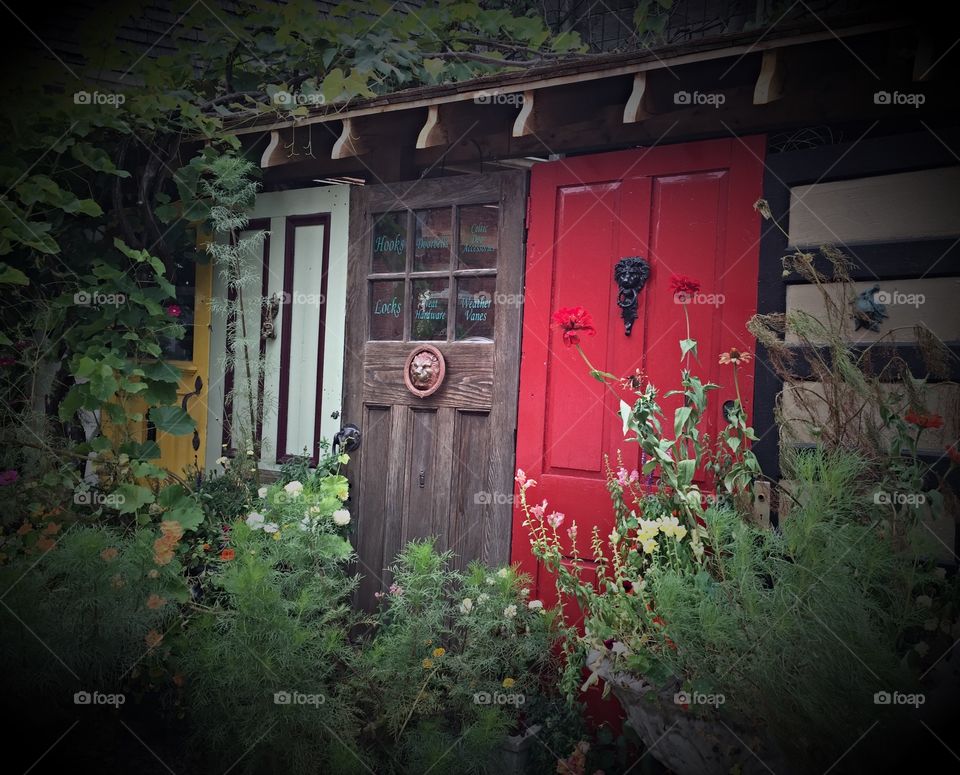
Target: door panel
point(440, 263)
point(686, 209)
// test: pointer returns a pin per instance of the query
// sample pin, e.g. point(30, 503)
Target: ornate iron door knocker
point(631, 275)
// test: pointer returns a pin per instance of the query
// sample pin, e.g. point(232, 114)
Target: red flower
point(627, 586)
point(954, 452)
point(573, 321)
point(659, 620)
point(6, 360)
point(923, 420)
point(227, 554)
point(683, 287)
point(174, 310)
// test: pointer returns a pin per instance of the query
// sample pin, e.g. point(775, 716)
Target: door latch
point(423, 478)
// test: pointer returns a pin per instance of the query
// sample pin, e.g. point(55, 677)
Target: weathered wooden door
point(439, 263)
point(686, 209)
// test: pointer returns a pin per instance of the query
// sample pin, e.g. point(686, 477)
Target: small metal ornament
point(631, 275)
point(424, 370)
point(867, 311)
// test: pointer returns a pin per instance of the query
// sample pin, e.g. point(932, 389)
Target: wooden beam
point(770, 81)
point(636, 108)
point(526, 120)
point(434, 132)
point(349, 143)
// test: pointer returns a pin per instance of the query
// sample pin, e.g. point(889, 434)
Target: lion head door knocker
point(630, 275)
point(424, 371)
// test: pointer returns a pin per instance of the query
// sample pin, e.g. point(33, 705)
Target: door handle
point(347, 439)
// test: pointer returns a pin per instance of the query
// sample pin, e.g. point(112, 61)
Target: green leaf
point(173, 420)
point(162, 371)
point(734, 443)
point(133, 498)
point(190, 516)
point(680, 418)
point(688, 346)
point(11, 276)
point(626, 411)
point(685, 471)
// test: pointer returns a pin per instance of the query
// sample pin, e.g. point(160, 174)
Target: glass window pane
point(479, 232)
point(429, 306)
point(431, 250)
point(386, 304)
point(475, 308)
point(390, 242)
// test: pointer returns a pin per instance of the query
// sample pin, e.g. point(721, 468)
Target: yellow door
point(184, 455)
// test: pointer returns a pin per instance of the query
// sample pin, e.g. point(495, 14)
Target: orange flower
point(227, 554)
point(155, 601)
point(735, 356)
point(171, 529)
point(178, 679)
point(117, 581)
point(153, 639)
point(52, 529)
point(25, 528)
point(109, 554)
point(45, 544)
point(162, 552)
point(954, 452)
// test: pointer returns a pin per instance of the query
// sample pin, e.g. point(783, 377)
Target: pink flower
point(396, 589)
point(522, 480)
point(174, 310)
point(539, 510)
point(623, 478)
point(6, 360)
point(8, 477)
point(555, 520)
point(572, 532)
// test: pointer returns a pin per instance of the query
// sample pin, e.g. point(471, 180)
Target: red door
point(686, 209)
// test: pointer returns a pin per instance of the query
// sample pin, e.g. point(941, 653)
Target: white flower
point(262, 492)
point(341, 517)
point(535, 605)
point(306, 524)
point(491, 580)
point(255, 520)
point(314, 511)
point(921, 648)
point(524, 592)
point(510, 611)
point(223, 461)
point(466, 606)
point(931, 624)
point(503, 572)
point(293, 488)
point(924, 601)
point(482, 598)
point(271, 527)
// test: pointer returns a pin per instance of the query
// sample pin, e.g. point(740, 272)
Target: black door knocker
point(631, 275)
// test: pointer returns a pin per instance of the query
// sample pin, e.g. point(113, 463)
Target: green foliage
point(79, 616)
point(455, 662)
point(265, 658)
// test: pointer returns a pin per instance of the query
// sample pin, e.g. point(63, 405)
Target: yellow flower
point(343, 493)
point(649, 546)
point(427, 664)
point(439, 652)
point(276, 536)
point(508, 683)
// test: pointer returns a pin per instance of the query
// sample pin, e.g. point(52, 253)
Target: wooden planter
point(687, 743)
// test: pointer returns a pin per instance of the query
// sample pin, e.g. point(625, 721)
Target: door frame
point(510, 190)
